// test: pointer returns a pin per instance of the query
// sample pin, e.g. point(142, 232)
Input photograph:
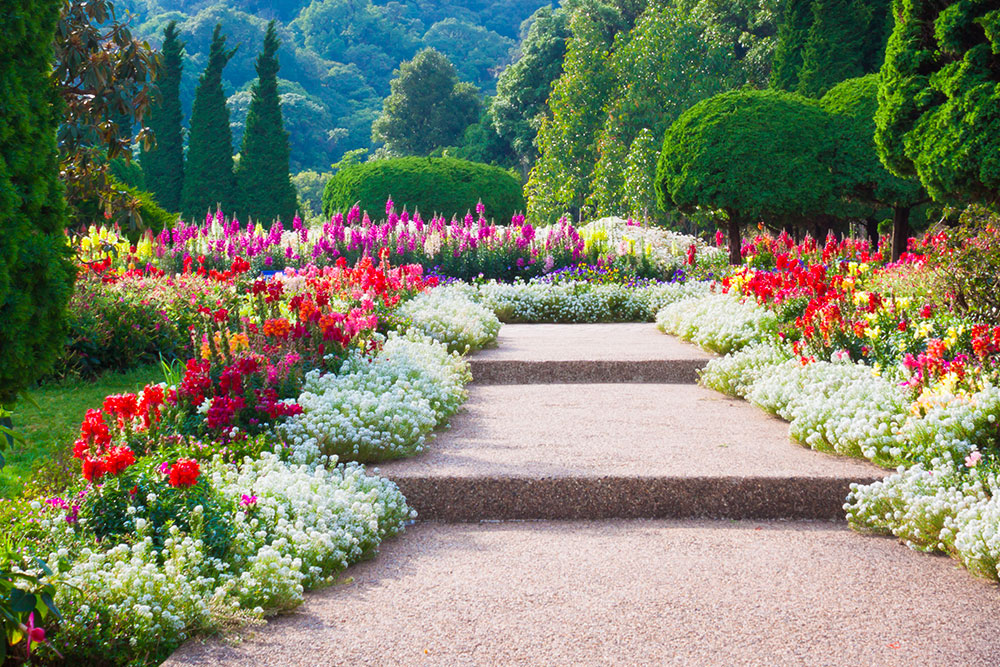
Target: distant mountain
point(337, 56)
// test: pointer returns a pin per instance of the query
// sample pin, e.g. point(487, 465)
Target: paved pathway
point(678, 526)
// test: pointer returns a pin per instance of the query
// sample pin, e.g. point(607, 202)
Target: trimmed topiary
point(443, 186)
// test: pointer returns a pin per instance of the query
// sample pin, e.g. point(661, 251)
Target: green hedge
point(445, 186)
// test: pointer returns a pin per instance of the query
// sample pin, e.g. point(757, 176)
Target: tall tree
point(793, 31)
point(939, 95)
point(36, 276)
point(163, 165)
point(208, 172)
point(864, 179)
point(835, 48)
point(263, 183)
point(428, 107)
point(661, 67)
point(560, 179)
point(521, 102)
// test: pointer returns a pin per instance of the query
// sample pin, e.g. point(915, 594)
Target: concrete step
point(586, 353)
point(697, 593)
point(591, 451)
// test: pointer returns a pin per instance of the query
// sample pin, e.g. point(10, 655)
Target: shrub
point(445, 186)
point(36, 277)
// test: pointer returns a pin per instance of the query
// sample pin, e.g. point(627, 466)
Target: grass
point(50, 429)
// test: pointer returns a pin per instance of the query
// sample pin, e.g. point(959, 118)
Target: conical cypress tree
point(835, 50)
point(164, 165)
point(263, 183)
point(208, 172)
point(792, 35)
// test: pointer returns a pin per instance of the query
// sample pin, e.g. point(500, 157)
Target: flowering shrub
point(866, 360)
point(717, 322)
point(470, 248)
point(450, 316)
point(577, 301)
point(291, 528)
point(378, 408)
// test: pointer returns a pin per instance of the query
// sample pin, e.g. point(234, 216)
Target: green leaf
point(22, 602)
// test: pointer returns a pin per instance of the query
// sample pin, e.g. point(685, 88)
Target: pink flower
point(248, 501)
point(972, 459)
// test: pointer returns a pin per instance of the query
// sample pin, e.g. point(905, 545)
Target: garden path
point(592, 505)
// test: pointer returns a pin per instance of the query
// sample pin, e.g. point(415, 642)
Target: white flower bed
point(667, 249)
point(537, 302)
point(448, 314)
point(717, 322)
point(306, 524)
point(380, 408)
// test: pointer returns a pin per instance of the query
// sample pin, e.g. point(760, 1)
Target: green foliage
point(142, 492)
point(745, 28)
point(445, 186)
point(938, 98)
point(36, 276)
point(309, 188)
point(25, 601)
point(521, 102)
point(640, 175)
point(208, 172)
point(128, 172)
point(560, 179)
point(865, 179)
point(264, 188)
point(752, 154)
point(428, 107)
point(164, 165)
point(834, 48)
point(138, 211)
point(661, 67)
point(476, 51)
point(792, 35)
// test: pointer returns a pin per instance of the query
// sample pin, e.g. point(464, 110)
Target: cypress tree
point(263, 183)
point(208, 172)
point(835, 49)
point(36, 276)
point(792, 35)
point(164, 165)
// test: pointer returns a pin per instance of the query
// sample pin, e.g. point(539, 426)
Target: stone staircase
point(591, 505)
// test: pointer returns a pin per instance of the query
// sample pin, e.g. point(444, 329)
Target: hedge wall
point(445, 186)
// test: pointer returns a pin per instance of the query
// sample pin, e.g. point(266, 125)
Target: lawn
point(49, 429)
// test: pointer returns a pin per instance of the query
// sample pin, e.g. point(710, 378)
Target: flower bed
point(866, 358)
point(198, 503)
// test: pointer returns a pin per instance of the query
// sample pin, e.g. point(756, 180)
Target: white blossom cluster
point(537, 302)
point(449, 315)
point(294, 527)
point(943, 497)
point(381, 407)
point(935, 508)
point(717, 322)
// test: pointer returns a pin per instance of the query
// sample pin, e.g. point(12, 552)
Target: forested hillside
point(337, 56)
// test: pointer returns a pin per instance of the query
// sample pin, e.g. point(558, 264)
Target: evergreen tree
point(163, 166)
point(36, 276)
point(792, 35)
point(262, 179)
point(835, 48)
point(938, 98)
point(208, 172)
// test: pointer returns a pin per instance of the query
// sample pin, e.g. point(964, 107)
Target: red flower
point(184, 473)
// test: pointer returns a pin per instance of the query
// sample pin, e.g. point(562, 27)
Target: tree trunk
point(871, 227)
point(735, 243)
point(900, 230)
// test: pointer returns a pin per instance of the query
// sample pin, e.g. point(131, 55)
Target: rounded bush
point(442, 186)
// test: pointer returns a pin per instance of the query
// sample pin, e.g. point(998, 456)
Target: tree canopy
point(264, 188)
point(163, 166)
point(753, 154)
point(939, 97)
point(428, 107)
